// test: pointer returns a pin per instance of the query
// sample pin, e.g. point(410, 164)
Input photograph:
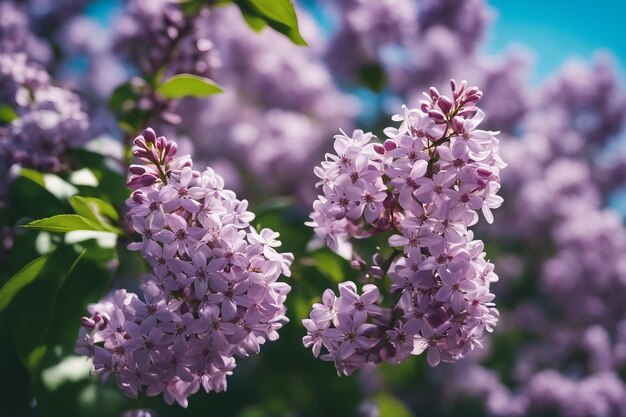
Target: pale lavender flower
point(440, 278)
point(212, 294)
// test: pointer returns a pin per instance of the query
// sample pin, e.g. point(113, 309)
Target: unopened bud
point(149, 135)
point(437, 115)
point(376, 272)
point(445, 104)
point(136, 169)
point(390, 145)
point(457, 124)
point(87, 322)
point(147, 179)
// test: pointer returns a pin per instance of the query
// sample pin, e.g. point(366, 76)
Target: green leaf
point(329, 264)
point(390, 406)
point(188, 85)
point(94, 209)
point(64, 223)
point(7, 114)
point(280, 15)
point(54, 184)
point(111, 180)
point(55, 372)
point(21, 279)
point(255, 22)
point(32, 310)
point(103, 207)
point(373, 77)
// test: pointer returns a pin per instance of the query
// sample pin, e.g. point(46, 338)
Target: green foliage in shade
point(390, 406)
point(7, 114)
point(373, 77)
point(123, 102)
point(95, 210)
point(280, 15)
point(44, 321)
point(86, 284)
point(253, 20)
point(33, 307)
point(110, 175)
point(52, 183)
point(21, 279)
point(63, 223)
point(188, 85)
point(96, 205)
point(330, 265)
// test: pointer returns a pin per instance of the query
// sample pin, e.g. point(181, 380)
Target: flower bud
point(149, 135)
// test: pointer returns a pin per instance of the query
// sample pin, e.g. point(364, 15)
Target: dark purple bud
point(379, 149)
point(434, 94)
point(484, 172)
point(390, 145)
point(445, 104)
point(140, 142)
point(457, 124)
point(170, 149)
point(355, 264)
point(147, 179)
point(376, 272)
point(87, 322)
point(149, 135)
point(140, 153)
point(138, 197)
point(161, 142)
point(458, 92)
point(377, 259)
point(436, 115)
point(136, 169)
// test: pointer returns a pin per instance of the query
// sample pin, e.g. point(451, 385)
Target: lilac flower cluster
point(566, 246)
point(424, 184)
point(16, 36)
point(418, 43)
point(157, 36)
point(50, 119)
point(279, 105)
point(213, 292)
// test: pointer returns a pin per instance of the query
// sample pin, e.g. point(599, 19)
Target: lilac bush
point(213, 292)
point(423, 185)
point(49, 120)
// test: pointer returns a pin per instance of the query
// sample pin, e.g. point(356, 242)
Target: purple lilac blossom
point(415, 43)
point(50, 119)
point(213, 293)
point(570, 248)
point(278, 108)
point(425, 185)
point(156, 36)
point(16, 36)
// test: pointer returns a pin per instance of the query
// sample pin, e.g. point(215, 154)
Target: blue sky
point(557, 29)
point(554, 30)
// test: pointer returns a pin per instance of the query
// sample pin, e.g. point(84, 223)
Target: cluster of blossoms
point(50, 119)
point(156, 33)
point(212, 293)
point(16, 36)
point(432, 36)
point(424, 185)
point(278, 109)
point(565, 246)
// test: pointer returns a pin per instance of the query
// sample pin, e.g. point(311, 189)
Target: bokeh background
point(553, 80)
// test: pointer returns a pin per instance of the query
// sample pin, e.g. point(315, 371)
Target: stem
point(385, 267)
